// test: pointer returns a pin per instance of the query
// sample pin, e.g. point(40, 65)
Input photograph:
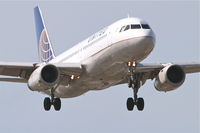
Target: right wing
point(17, 69)
point(21, 71)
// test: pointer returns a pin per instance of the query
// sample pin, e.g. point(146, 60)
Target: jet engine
point(169, 78)
point(44, 77)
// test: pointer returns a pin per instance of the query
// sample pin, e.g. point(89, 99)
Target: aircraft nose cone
point(148, 41)
point(150, 34)
point(147, 44)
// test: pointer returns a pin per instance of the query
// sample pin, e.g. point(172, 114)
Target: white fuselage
point(104, 56)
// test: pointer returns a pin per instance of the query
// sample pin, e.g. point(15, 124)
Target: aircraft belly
point(111, 77)
point(108, 67)
point(69, 91)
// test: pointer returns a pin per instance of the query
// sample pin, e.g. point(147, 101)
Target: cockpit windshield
point(134, 26)
point(145, 26)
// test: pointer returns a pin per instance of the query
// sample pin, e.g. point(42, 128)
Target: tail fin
point(44, 45)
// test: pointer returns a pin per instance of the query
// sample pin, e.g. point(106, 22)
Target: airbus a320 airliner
point(107, 58)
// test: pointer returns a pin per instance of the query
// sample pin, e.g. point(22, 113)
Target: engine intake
point(175, 74)
point(170, 78)
point(44, 77)
point(49, 73)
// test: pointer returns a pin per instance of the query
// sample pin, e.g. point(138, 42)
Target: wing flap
point(18, 80)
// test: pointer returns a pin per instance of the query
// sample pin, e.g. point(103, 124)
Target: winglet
point(45, 49)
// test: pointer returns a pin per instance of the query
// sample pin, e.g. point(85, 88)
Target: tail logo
point(45, 49)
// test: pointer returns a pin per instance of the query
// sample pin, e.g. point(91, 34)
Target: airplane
point(110, 57)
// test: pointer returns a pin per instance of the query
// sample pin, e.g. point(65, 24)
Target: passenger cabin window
point(135, 26)
point(145, 26)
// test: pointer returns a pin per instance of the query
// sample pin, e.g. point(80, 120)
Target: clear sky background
point(176, 25)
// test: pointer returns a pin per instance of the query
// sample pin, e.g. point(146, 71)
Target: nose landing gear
point(135, 83)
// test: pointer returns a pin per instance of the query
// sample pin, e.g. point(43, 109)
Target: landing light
point(132, 64)
point(72, 77)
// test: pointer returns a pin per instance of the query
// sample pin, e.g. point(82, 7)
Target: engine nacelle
point(170, 78)
point(44, 77)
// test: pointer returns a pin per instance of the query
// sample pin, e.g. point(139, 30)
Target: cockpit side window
point(145, 26)
point(135, 26)
point(127, 27)
point(122, 29)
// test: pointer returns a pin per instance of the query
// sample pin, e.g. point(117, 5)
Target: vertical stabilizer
point(44, 45)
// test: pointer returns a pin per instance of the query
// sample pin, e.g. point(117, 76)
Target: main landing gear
point(56, 102)
point(135, 83)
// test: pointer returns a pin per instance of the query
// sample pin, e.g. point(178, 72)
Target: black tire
point(140, 104)
point(57, 104)
point(47, 104)
point(130, 104)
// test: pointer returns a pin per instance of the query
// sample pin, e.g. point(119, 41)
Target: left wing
point(187, 67)
point(151, 70)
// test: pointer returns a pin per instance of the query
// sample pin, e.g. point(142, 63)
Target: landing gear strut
point(56, 102)
point(134, 82)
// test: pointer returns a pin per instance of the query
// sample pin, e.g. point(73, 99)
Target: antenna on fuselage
point(128, 15)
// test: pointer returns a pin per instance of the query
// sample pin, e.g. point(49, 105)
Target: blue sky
point(176, 25)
